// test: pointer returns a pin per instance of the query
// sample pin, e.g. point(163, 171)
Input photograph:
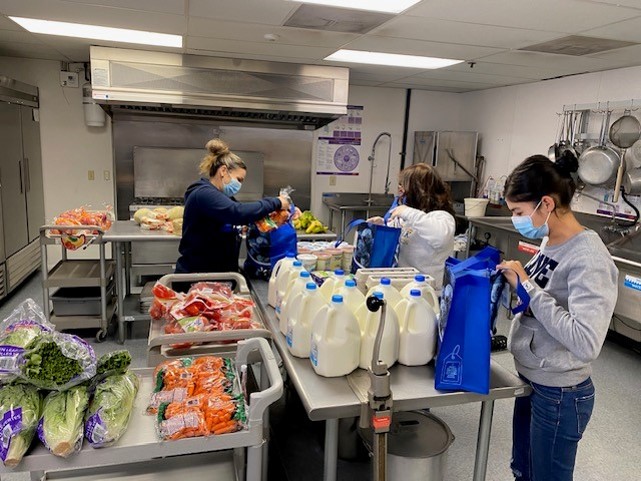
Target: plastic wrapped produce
point(110, 409)
point(61, 425)
point(19, 413)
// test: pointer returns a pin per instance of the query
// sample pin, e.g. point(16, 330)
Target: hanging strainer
point(625, 131)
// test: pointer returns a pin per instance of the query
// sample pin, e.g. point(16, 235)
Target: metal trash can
point(417, 447)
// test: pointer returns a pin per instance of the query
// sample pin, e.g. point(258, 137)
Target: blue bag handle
point(356, 222)
point(388, 214)
point(523, 296)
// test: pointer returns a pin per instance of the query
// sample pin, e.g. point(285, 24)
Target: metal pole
point(331, 450)
point(45, 275)
point(264, 384)
point(483, 442)
point(120, 291)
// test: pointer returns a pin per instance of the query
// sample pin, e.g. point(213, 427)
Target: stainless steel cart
point(78, 273)
point(234, 456)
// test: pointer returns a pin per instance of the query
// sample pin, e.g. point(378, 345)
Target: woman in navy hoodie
point(210, 241)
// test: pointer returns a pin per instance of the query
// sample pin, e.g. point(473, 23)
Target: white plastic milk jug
point(390, 342)
point(290, 274)
point(392, 296)
point(427, 292)
point(417, 322)
point(352, 297)
point(336, 340)
point(279, 269)
point(296, 286)
point(331, 284)
point(300, 317)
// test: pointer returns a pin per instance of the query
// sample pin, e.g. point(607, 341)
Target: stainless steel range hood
point(247, 91)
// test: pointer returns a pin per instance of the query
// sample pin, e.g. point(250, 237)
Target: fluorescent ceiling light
point(393, 59)
point(387, 6)
point(96, 32)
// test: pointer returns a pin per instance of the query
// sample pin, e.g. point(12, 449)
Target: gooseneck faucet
point(371, 158)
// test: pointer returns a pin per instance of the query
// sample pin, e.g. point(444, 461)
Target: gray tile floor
point(609, 451)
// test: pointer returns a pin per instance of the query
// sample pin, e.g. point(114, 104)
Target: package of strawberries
point(206, 307)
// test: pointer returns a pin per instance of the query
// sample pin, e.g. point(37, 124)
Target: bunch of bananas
point(309, 223)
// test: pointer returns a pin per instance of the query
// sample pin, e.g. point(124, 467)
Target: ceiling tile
point(629, 30)
point(8, 24)
point(265, 48)
point(488, 68)
point(270, 58)
point(94, 15)
point(251, 32)
point(10, 36)
point(364, 83)
point(176, 7)
point(30, 50)
point(465, 76)
point(418, 47)
point(269, 12)
point(380, 77)
point(623, 57)
point(434, 88)
point(624, 3)
point(430, 82)
point(420, 28)
point(568, 16)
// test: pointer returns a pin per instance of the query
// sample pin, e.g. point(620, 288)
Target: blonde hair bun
point(217, 147)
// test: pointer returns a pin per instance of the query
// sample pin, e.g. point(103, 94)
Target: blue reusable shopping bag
point(471, 293)
point(265, 249)
point(376, 245)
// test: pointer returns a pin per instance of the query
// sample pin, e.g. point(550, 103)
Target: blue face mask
point(232, 187)
point(526, 228)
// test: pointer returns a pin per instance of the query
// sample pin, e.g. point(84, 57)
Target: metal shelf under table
point(79, 273)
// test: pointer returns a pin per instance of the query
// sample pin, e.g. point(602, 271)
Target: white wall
point(69, 147)
point(517, 121)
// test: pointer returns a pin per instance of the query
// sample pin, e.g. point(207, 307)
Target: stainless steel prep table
point(328, 399)
point(121, 234)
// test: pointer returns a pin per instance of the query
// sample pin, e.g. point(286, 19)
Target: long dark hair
point(424, 189)
point(537, 176)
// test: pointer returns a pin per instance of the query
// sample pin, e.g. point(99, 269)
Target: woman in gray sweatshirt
point(572, 282)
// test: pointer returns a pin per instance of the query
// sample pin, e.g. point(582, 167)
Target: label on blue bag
point(10, 425)
point(313, 355)
point(452, 372)
point(95, 430)
point(632, 282)
point(9, 358)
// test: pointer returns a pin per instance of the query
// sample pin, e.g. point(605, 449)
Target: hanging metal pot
point(598, 165)
point(554, 148)
point(632, 181)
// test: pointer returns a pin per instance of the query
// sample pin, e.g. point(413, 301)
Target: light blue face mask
point(232, 187)
point(526, 228)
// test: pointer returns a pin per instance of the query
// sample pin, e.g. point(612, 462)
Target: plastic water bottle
point(352, 297)
point(392, 296)
point(296, 287)
point(336, 340)
point(279, 269)
point(390, 343)
point(291, 273)
point(427, 292)
point(331, 285)
point(300, 316)
point(417, 323)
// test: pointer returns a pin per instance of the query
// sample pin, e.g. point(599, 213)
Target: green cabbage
point(19, 413)
point(110, 410)
point(61, 425)
point(116, 362)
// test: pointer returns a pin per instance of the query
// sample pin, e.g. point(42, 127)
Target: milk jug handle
point(434, 297)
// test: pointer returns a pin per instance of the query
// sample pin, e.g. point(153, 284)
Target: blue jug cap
point(350, 283)
point(378, 295)
point(419, 278)
point(337, 298)
point(311, 286)
point(339, 272)
point(385, 281)
point(415, 293)
point(304, 273)
point(297, 263)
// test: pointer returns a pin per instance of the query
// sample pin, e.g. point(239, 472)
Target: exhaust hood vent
point(318, 17)
point(290, 95)
point(577, 45)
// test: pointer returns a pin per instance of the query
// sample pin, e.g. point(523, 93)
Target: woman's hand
point(512, 269)
point(297, 213)
point(398, 211)
point(376, 220)
point(284, 202)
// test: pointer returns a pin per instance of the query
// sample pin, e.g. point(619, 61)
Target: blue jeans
point(547, 427)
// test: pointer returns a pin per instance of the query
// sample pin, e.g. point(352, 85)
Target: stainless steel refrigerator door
point(460, 146)
point(32, 172)
point(12, 177)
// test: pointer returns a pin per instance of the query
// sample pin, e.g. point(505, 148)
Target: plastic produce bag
point(278, 218)
point(19, 413)
point(110, 409)
point(61, 425)
point(24, 325)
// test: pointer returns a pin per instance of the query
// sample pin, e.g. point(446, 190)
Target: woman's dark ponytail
point(537, 176)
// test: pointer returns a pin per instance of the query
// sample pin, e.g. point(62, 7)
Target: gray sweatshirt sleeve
point(592, 288)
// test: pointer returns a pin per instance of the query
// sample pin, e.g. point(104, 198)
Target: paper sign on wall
point(338, 148)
